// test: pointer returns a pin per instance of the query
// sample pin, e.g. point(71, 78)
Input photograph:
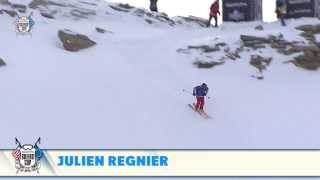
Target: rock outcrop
point(192, 20)
point(207, 65)
point(259, 62)
point(2, 63)
point(11, 13)
point(259, 28)
point(310, 59)
point(73, 41)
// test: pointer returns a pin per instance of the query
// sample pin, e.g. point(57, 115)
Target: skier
point(281, 11)
point(214, 12)
point(153, 5)
point(200, 92)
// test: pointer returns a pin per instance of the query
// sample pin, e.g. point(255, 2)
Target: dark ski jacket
point(200, 91)
point(153, 5)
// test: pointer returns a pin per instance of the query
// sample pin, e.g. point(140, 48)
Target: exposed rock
point(276, 42)
point(304, 27)
point(277, 38)
point(160, 17)
point(233, 55)
point(48, 15)
point(254, 41)
point(20, 7)
point(88, 3)
point(287, 52)
point(141, 13)
point(38, 3)
point(206, 65)
point(258, 77)
point(149, 21)
point(259, 28)
point(117, 8)
point(260, 62)
point(312, 48)
point(195, 20)
point(73, 41)
point(184, 51)
point(82, 13)
point(221, 44)
point(205, 48)
point(255, 45)
point(276, 45)
point(307, 35)
point(125, 6)
point(307, 61)
point(2, 63)
point(5, 2)
point(102, 31)
point(309, 32)
point(310, 28)
point(11, 13)
point(246, 38)
point(310, 59)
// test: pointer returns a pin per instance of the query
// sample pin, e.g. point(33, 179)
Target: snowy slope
point(126, 92)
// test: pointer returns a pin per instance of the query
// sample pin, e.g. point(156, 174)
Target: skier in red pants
point(200, 92)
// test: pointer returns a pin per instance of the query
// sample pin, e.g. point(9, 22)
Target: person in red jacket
point(214, 12)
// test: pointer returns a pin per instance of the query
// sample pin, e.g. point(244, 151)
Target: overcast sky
point(198, 8)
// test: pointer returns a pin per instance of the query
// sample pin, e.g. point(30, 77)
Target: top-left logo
point(24, 24)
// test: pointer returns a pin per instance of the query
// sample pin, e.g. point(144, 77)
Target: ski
point(202, 114)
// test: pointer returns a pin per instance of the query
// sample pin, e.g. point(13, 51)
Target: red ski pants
point(200, 103)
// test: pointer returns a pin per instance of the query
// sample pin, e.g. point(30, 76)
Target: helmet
point(204, 85)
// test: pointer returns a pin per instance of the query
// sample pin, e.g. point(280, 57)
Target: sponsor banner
point(31, 161)
point(300, 8)
point(237, 10)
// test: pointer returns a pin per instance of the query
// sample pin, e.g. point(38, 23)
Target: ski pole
point(188, 92)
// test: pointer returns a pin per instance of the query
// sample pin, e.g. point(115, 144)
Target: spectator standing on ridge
point(281, 11)
point(214, 12)
point(153, 5)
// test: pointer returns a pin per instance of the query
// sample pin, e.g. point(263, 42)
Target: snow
point(317, 38)
point(126, 92)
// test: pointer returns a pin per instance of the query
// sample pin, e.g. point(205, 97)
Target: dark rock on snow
point(260, 62)
point(2, 63)
point(205, 48)
point(102, 31)
point(11, 13)
point(207, 65)
point(259, 28)
point(74, 41)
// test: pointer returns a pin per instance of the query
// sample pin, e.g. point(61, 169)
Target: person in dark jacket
point(153, 5)
point(214, 12)
point(281, 11)
point(200, 92)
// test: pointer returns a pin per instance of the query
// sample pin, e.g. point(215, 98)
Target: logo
point(24, 24)
point(27, 157)
point(236, 15)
